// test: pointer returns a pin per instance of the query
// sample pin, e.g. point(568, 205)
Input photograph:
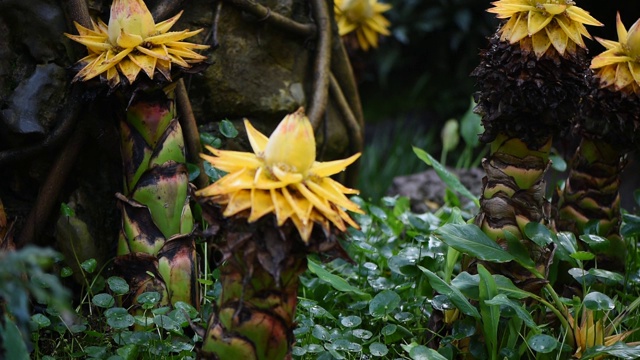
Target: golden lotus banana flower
point(365, 18)
point(619, 65)
point(281, 176)
point(547, 22)
point(591, 332)
point(133, 42)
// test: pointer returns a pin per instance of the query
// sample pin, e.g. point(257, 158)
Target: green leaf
point(421, 352)
point(166, 323)
point(378, 349)
point(149, 298)
point(618, 350)
point(583, 255)
point(469, 239)
point(448, 178)
point(456, 297)
point(519, 252)
point(450, 135)
point(118, 285)
point(89, 265)
point(471, 127)
point(490, 313)
point(208, 139)
point(468, 284)
point(40, 320)
point(351, 321)
point(542, 343)
point(96, 352)
point(227, 129)
point(128, 352)
point(119, 318)
point(66, 210)
point(598, 301)
point(320, 332)
point(521, 312)
point(595, 242)
point(194, 171)
point(606, 277)
point(384, 303)
point(567, 245)
point(66, 272)
point(539, 234)
point(103, 300)
point(335, 281)
point(557, 162)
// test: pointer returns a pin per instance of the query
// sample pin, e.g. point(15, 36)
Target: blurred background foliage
point(418, 78)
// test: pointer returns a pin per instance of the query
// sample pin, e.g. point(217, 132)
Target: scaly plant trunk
point(524, 100)
point(591, 193)
point(156, 216)
point(259, 274)
point(513, 195)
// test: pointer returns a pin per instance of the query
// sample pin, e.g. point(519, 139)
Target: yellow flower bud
point(131, 17)
point(292, 146)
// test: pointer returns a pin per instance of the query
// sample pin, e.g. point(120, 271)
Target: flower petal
point(328, 168)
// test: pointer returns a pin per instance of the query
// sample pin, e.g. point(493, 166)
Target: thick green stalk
point(591, 193)
point(156, 216)
point(513, 196)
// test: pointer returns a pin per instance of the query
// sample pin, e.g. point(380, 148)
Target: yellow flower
point(547, 22)
point(364, 17)
point(282, 176)
point(591, 333)
point(133, 42)
point(619, 65)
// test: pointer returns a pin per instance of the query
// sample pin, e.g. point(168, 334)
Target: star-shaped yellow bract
point(281, 176)
point(133, 42)
point(619, 66)
point(591, 332)
point(547, 22)
point(365, 18)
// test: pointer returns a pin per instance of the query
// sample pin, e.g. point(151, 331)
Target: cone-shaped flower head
point(547, 22)
point(618, 66)
point(133, 42)
point(281, 176)
point(365, 18)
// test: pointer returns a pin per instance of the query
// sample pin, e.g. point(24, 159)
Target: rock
point(34, 103)
point(426, 190)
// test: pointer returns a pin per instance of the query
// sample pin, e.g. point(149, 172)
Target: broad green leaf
point(539, 234)
point(103, 300)
point(149, 298)
point(607, 277)
point(583, 255)
point(471, 126)
point(519, 252)
point(542, 343)
point(598, 301)
point(450, 135)
point(469, 239)
point(521, 312)
point(384, 303)
point(208, 139)
point(351, 321)
point(557, 162)
point(335, 281)
point(66, 210)
point(118, 285)
point(468, 284)
point(227, 129)
point(490, 313)
point(119, 318)
point(40, 320)
point(66, 272)
point(89, 265)
point(95, 352)
point(448, 178)
point(567, 245)
point(421, 352)
point(456, 297)
point(618, 350)
point(595, 242)
point(378, 349)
